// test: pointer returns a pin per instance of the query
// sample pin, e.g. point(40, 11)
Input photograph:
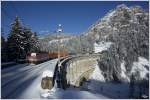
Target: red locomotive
point(37, 57)
point(43, 56)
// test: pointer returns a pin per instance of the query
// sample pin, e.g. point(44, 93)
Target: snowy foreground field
point(24, 81)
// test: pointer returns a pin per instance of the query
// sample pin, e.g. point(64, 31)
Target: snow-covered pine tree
point(21, 41)
point(15, 38)
point(34, 43)
point(26, 41)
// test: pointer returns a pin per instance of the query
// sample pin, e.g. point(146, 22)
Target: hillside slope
point(127, 29)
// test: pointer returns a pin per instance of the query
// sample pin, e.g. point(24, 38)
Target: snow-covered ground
point(26, 84)
point(142, 66)
point(109, 89)
point(73, 93)
point(97, 83)
point(97, 74)
point(7, 63)
point(24, 80)
point(69, 93)
point(99, 47)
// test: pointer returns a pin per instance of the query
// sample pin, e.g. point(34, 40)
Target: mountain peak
point(122, 6)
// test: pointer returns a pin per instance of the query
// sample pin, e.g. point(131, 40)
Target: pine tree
point(3, 49)
point(31, 43)
point(21, 41)
point(15, 40)
point(26, 41)
point(34, 43)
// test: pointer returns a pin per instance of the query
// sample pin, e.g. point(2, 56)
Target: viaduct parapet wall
point(79, 68)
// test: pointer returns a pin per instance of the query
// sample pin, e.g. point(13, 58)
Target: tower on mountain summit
point(59, 28)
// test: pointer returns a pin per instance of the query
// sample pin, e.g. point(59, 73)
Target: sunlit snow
point(97, 74)
point(99, 47)
point(142, 66)
point(47, 73)
point(123, 72)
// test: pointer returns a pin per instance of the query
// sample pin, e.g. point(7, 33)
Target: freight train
point(44, 56)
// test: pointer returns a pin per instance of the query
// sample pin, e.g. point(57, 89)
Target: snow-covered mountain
point(122, 34)
point(127, 28)
point(62, 40)
point(67, 41)
point(54, 36)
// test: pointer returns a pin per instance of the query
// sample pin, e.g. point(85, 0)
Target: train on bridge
point(36, 58)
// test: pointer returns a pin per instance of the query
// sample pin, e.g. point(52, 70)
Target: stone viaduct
point(76, 69)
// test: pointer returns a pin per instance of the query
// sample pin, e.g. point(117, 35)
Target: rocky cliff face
point(128, 30)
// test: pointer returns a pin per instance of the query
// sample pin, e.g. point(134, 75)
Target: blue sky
point(75, 16)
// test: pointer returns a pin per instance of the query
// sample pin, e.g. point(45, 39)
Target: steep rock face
point(127, 28)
